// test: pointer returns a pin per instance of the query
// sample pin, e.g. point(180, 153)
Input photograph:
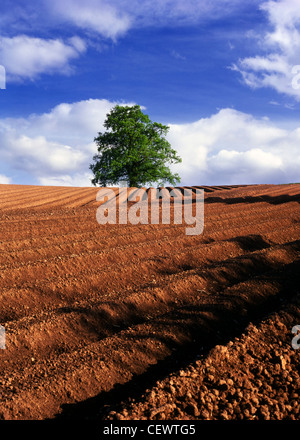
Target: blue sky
point(222, 74)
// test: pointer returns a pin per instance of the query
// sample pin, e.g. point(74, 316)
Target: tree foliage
point(133, 149)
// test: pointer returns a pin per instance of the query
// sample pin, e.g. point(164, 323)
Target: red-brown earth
point(143, 321)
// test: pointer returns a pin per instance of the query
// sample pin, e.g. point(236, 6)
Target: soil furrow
point(95, 315)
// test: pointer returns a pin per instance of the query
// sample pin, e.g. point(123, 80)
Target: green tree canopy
point(133, 149)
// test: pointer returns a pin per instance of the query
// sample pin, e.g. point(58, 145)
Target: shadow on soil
point(273, 200)
point(251, 243)
point(221, 317)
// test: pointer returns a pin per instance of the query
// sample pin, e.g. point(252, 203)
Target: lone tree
point(133, 149)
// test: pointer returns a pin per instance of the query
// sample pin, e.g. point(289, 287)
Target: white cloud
point(252, 166)
point(176, 12)
point(28, 57)
point(4, 179)
point(113, 18)
point(229, 147)
point(54, 148)
point(232, 147)
point(48, 156)
point(280, 45)
point(102, 17)
point(76, 180)
point(73, 122)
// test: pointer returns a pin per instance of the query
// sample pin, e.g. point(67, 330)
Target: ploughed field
point(144, 321)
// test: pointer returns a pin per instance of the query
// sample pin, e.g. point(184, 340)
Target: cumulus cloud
point(278, 64)
point(26, 57)
point(232, 147)
point(54, 148)
point(4, 179)
point(71, 122)
point(252, 166)
point(75, 180)
point(229, 147)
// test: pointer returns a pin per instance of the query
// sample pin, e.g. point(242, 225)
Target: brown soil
point(142, 321)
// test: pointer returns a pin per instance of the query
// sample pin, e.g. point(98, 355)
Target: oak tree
point(133, 149)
